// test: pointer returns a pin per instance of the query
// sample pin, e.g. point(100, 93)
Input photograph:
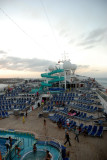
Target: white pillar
point(65, 78)
point(59, 81)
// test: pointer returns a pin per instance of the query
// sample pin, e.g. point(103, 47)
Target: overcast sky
point(36, 33)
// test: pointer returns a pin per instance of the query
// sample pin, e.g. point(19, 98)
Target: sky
point(35, 34)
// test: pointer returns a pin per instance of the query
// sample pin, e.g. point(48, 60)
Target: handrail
point(32, 152)
point(8, 154)
point(102, 94)
point(56, 141)
point(47, 138)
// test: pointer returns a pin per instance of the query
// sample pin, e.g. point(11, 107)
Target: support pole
point(65, 78)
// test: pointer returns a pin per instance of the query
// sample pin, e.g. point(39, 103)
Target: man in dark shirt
point(67, 139)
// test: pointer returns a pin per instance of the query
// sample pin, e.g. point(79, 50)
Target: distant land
point(10, 80)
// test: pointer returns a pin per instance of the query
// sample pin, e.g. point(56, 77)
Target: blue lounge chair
point(6, 114)
point(94, 131)
point(3, 114)
point(95, 109)
point(83, 117)
point(89, 118)
point(0, 115)
point(73, 125)
point(81, 125)
point(100, 131)
point(89, 129)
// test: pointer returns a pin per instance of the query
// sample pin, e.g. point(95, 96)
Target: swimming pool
point(26, 141)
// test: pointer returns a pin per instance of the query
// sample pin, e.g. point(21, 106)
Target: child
point(34, 148)
point(18, 151)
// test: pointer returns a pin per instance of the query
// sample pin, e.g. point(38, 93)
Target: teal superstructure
point(51, 78)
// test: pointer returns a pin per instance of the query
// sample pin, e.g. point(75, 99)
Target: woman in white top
point(67, 121)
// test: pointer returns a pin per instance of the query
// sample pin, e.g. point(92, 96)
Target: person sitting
point(71, 110)
point(67, 122)
point(79, 129)
point(59, 123)
point(18, 150)
point(10, 141)
point(77, 113)
point(48, 156)
point(85, 132)
point(34, 148)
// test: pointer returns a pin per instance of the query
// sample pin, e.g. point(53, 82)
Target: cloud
point(66, 31)
point(93, 38)
point(97, 34)
point(2, 52)
point(83, 66)
point(89, 47)
point(19, 64)
point(95, 70)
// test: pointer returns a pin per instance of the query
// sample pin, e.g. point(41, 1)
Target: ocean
point(2, 86)
point(102, 81)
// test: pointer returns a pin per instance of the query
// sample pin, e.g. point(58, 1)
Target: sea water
point(2, 86)
point(102, 81)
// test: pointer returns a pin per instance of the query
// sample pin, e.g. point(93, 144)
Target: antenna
point(65, 57)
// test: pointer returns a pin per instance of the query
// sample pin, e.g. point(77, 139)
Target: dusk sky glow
point(36, 33)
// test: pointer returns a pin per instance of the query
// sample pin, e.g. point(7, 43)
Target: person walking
point(66, 132)
point(44, 127)
point(44, 122)
point(67, 139)
point(77, 134)
point(26, 113)
point(23, 119)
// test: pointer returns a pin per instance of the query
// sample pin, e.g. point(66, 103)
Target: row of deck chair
point(85, 101)
point(92, 130)
point(14, 99)
point(66, 94)
point(59, 103)
point(83, 116)
point(12, 95)
point(57, 117)
point(5, 108)
point(4, 114)
point(77, 115)
point(85, 98)
point(13, 103)
point(63, 99)
point(21, 107)
point(48, 109)
point(17, 102)
point(84, 108)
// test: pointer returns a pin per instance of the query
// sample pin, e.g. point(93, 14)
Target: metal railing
point(48, 141)
point(102, 94)
point(11, 153)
